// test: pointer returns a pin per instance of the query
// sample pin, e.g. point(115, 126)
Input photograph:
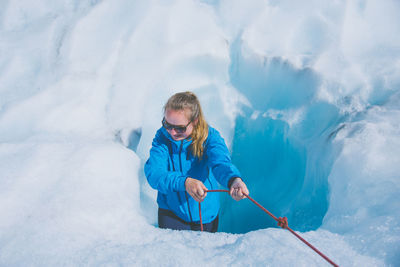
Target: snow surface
point(306, 95)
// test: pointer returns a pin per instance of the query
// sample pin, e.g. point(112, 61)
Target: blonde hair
point(189, 101)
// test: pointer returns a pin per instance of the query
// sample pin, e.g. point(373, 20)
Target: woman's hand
point(196, 189)
point(237, 189)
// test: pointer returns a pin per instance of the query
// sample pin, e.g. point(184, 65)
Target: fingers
point(245, 190)
point(238, 190)
point(237, 194)
point(199, 194)
point(231, 191)
point(196, 189)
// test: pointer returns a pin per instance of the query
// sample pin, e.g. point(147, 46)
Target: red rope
point(282, 222)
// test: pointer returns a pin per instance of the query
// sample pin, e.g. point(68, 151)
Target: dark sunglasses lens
point(180, 129)
point(166, 125)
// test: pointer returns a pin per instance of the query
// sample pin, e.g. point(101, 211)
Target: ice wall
point(282, 143)
point(305, 94)
point(304, 88)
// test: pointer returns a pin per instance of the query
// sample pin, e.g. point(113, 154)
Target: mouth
point(177, 136)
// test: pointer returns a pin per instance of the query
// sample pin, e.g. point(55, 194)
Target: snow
point(305, 94)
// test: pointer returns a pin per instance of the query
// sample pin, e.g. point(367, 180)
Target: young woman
point(188, 157)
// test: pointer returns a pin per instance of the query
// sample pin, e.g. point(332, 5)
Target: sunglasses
point(178, 128)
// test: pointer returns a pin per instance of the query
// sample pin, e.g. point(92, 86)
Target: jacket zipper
point(180, 165)
point(173, 168)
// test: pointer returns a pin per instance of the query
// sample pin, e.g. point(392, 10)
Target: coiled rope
point(282, 222)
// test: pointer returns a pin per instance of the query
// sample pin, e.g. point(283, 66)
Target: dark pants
point(168, 220)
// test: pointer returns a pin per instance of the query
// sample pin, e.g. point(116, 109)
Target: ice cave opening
point(282, 144)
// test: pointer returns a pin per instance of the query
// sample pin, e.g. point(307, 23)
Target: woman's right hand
point(196, 189)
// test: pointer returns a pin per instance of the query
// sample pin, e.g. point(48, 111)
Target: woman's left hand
point(237, 189)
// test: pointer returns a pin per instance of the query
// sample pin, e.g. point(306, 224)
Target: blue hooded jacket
point(171, 162)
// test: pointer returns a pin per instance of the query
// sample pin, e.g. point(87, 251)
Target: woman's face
point(178, 118)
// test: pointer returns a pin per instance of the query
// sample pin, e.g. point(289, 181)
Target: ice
point(305, 94)
point(369, 202)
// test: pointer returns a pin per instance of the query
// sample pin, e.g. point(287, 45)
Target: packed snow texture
point(306, 95)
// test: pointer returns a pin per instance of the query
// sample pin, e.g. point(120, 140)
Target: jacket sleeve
point(156, 169)
point(219, 159)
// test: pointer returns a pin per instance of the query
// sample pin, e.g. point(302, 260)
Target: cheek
point(189, 131)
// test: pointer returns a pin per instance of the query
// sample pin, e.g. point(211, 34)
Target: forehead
point(177, 117)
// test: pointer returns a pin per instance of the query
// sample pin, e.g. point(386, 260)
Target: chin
point(178, 138)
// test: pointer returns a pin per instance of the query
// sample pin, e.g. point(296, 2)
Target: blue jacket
point(171, 162)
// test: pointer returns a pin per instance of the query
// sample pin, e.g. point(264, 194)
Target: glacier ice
point(305, 94)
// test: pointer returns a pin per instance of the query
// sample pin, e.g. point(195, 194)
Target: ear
point(195, 121)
